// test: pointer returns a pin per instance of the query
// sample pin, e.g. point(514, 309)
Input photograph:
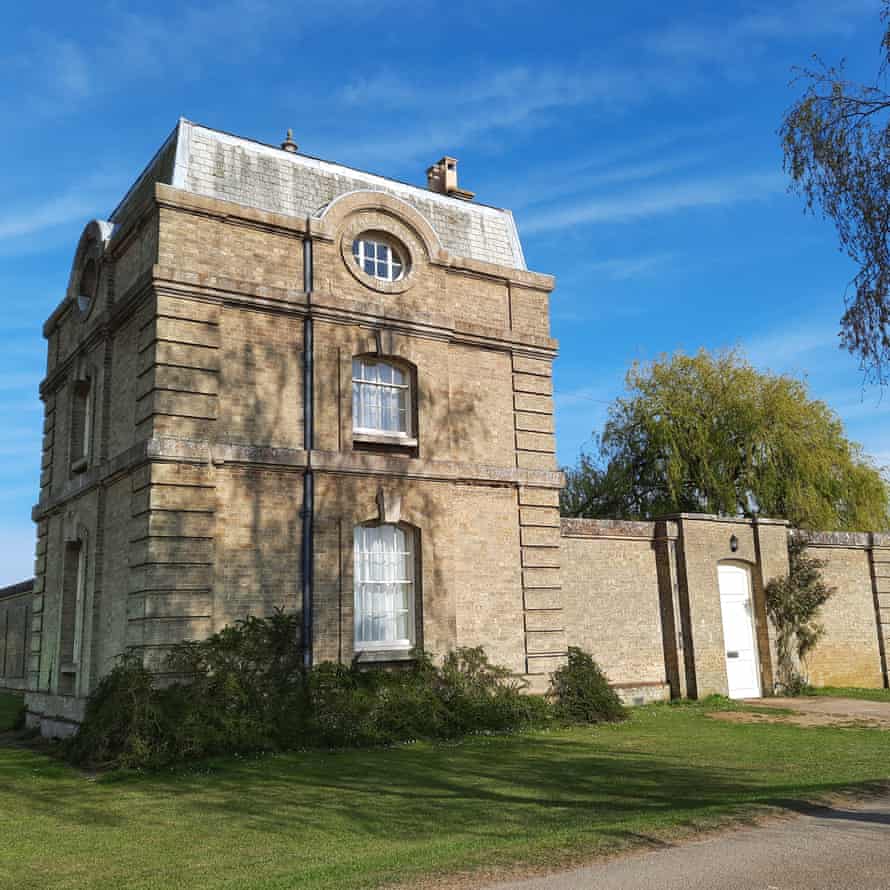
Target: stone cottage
point(275, 381)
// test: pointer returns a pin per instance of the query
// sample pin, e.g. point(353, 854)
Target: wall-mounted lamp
point(733, 543)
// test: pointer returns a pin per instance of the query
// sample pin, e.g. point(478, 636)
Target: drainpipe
point(306, 556)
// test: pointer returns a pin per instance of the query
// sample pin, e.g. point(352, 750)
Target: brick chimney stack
point(442, 178)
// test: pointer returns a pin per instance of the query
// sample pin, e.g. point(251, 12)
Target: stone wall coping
point(616, 528)
point(736, 520)
point(22, 588)
point(621, 528)
point(849, 540)
point(606, 528)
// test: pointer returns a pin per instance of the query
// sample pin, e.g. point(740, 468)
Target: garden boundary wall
point(643, 598)
point(15, 634)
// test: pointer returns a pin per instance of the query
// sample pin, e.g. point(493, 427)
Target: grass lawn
point(852, 692)
point(364, 818)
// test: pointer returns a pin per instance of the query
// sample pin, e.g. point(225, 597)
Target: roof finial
point(289, 144)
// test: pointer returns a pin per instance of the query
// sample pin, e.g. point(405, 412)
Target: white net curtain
point(380, 397)
point(384, 586)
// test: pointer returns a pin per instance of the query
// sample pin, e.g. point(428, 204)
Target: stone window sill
point(371, 656)
point(383, 439)
point(79, 465)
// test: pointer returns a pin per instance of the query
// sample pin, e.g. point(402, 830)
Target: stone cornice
point(291, 459)
point(173, 282)
point(176, 199)
point(228, 211)
point(104, 323)
point(357, 463)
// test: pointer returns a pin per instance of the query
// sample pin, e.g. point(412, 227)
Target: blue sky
point(636, 143)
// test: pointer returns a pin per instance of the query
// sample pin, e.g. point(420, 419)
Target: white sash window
point(381, 398)
point(384, 587)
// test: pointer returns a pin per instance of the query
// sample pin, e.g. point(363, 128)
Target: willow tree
point(836, 140)
point(710, 433)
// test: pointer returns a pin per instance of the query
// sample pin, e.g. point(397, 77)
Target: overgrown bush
point(793, 604)
point(581, 691)
point(245, 689)
point(125, 722)
point(12, 712)
point(244, 686)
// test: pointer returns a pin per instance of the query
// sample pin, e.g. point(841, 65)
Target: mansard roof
point(219, 165)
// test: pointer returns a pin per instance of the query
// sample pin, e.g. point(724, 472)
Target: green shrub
point(479, 696)
point(244, 686)
point(124, 723)
point(12, 711)
point(349, 706)
point(581, 692)
point(245, 689)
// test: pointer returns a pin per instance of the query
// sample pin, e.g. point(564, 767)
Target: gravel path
point(839, 847)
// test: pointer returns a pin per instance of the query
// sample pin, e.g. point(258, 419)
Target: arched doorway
point(739, 638)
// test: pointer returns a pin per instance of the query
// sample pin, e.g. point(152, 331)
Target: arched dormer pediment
point(393, 225)
point(83, 282)
point(335, 213)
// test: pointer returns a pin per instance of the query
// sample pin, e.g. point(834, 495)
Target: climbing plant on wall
point(793, 604)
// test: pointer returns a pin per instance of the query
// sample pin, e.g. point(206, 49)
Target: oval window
point(89, 284)
point(379, 257)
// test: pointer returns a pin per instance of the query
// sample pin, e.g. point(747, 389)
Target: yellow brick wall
point(848, 653)
point(612, 605)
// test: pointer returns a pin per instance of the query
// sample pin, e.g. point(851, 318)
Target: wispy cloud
point(69, 67)
point(80, 202)
point(45, 214)
point(641, 204)
point(150, 44)
point(562, 182)
point(625, 268)
point(781, 349)
point(580, 293)
point(494, 100)
point(56, 74)
point(728, 42)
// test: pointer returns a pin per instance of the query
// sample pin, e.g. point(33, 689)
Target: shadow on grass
point(488, 789)
point(836, 813)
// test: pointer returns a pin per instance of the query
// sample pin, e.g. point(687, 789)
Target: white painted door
point(742, 670)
